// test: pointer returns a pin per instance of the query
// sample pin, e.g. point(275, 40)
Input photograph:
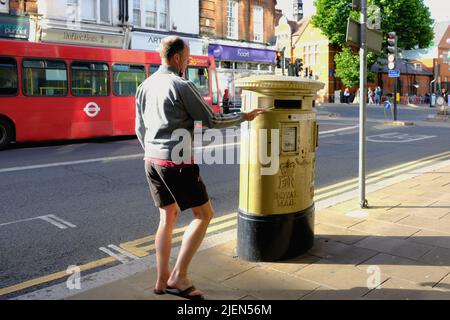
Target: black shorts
point(181, 185)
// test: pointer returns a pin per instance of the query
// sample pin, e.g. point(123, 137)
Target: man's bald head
point(170, 46)
point(174, 52)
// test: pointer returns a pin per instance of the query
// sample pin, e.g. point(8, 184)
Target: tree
point(347, 67)
point(410, 19)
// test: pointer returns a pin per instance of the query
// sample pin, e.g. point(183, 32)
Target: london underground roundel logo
point(92, 109)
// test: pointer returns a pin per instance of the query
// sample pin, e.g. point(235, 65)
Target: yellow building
point(311, 45)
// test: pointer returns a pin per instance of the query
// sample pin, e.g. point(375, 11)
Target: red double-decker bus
point(59, 92)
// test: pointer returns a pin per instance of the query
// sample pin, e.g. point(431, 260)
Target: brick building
point(240, 34)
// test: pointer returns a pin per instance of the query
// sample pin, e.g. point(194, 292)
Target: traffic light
point(392, 50)
point(279, 55)
point(298, 66)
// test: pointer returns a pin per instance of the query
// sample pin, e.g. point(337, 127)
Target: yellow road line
point(142, 251)
point(376, 178)
point(180, 238)
point(104, 261)
point(390, 169)
point(54, 276)
point(175, 231)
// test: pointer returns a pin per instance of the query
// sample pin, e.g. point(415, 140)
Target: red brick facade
point(19, 7)
point(213, 18)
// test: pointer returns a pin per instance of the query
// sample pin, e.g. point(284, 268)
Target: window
point(199, 76)
point(232, 19)
point(312, 55)
point(137, 12)
point(72, 10)
point(105, 11)
point(226, 64)
point(252, 66)
point(152, 14)
point(44, 78)
point(90, 79)
point(152, 69)
point(8, 77)
point(418, 66)
point(163, 10)
point(306, 56)
point(126, 79)
point(98, 11)
point(88, 10)
point(215, 93)
point(258, 23)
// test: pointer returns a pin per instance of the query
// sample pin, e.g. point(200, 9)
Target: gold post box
point(277, 167)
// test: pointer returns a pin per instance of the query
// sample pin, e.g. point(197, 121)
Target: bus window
point(89, 78)
point(215, 93)
point(44, 78)
point(126, 79)
point(8, 76)
point(152, 69)
point(199, 76)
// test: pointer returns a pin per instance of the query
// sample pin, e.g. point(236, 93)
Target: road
point(64, 203)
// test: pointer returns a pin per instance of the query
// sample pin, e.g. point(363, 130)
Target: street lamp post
point(362, 106)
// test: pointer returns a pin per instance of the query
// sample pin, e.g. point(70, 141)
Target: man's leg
point(192, 238)
point(163, 241)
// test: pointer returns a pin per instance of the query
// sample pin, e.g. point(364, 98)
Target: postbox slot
point(287, 104)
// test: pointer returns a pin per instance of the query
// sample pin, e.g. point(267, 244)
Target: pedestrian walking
point(346, 95)
point(371, 95)
point(226, 101)
point(166, 102)
point(378, 93)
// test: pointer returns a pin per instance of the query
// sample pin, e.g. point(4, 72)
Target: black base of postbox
point(266, 238)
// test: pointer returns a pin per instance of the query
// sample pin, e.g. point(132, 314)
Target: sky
point(440, 9)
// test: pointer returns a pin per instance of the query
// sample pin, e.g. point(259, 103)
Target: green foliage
point(410, 19)
point(347, 67)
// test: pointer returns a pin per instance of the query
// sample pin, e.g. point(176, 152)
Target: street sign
point(387, 105)
point(394, 73)
point(374, 37)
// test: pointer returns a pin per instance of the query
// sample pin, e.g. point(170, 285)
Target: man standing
point(166, 102)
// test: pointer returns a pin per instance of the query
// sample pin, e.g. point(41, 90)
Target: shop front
point(150, 42)
point(84, 38)
point(14, 27)
point(235, 62)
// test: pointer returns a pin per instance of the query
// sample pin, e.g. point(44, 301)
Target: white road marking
point(50, 218)
point(128, 157)
point(123, 251)
point(115, 256)
point(70, 163)
point(395, 137)
point(62, 221)
point(122, 254)
point(338, 130)
point(53, 222)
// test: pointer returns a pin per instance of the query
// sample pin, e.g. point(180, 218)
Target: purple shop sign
point(241, 54)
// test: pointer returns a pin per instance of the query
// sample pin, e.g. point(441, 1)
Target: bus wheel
point(6, 133)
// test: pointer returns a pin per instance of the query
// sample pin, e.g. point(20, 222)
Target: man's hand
point(249, 116)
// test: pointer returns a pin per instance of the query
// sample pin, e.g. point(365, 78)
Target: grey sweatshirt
point(165, 102)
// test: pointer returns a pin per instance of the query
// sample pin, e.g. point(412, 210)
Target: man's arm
point(140, 107)
point(199, 110)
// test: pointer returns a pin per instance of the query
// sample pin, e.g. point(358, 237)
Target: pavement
point(399, 248)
